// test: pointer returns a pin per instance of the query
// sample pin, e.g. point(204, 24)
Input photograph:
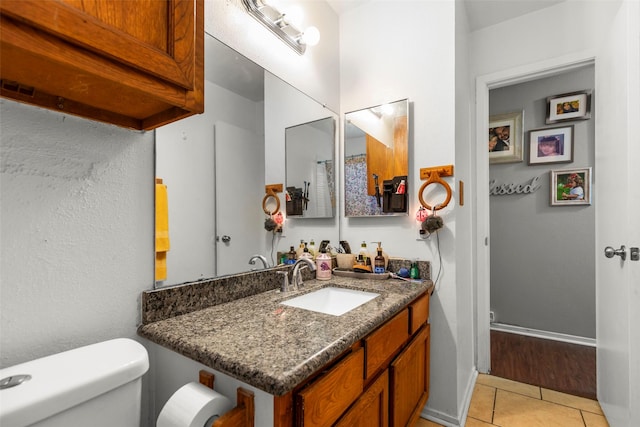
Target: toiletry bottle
point(300, 249)
point(379, 261)
point(291, 256)
point(366, 258)
point(414, 273)
point(323, 266)
point(312, 249)
point(305, 253)
point(401, 187)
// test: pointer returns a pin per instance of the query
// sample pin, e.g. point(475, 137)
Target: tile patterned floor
point(505, 403)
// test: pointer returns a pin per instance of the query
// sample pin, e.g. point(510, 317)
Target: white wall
point(77, 231)
point(391, 50)
point(316, 73)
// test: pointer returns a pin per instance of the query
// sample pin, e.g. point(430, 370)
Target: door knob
point(225, 238)
point(609, 252)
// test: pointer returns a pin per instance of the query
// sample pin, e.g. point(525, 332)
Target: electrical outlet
point(492, 316)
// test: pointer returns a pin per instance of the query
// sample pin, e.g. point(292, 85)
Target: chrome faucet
point(253, 259)
point(296, 276)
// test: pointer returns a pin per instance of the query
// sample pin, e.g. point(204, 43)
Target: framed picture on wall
point(551, 145)
point(505, 138)
point(570, 187)
point(569, 106)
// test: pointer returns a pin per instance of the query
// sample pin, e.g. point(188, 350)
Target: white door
point(617, 202)
point(239, 176)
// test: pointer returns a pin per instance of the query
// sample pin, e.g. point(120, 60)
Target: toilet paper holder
point(243, 415)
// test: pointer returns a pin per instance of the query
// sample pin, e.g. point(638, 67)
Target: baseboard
point(446, 419)
point(536, 333)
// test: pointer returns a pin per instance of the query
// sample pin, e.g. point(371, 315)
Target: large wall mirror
point(310, 169)
point(376, 164)
point(213, 165)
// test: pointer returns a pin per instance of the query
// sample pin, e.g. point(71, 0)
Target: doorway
point(483, 226)
point(542, 290)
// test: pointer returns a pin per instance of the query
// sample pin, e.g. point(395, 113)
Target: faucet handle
point(284, 286)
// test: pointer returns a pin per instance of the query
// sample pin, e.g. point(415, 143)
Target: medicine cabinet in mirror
point(310, 169)
point(376, 164)
point(214, 166)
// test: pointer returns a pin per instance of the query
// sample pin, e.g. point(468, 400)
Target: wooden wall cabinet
point(382, 381)
point(136, 64)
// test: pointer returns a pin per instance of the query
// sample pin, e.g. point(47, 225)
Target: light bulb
point(311, 36)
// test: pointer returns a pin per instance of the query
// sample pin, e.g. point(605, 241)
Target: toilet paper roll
point(193, 405)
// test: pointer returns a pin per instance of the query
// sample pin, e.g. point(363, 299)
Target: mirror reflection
point(310, 169)
point(213, 165)
point(376, 149)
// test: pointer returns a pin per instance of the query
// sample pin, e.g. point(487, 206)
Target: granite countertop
point(275, 347)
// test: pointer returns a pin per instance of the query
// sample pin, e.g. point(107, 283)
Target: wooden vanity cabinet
point(372, 408)
point(135, 64)
point(382, 380)
point(322, 402)
point(409, 380)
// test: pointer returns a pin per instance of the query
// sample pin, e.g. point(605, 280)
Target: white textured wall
point(76, 231)
point(391, 50)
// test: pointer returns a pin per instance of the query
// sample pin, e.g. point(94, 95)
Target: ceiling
point(480, 13)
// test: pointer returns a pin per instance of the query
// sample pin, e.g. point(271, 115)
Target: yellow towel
point(161, 266)
point(162, 229)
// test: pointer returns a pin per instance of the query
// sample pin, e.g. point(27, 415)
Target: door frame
point(484, 84)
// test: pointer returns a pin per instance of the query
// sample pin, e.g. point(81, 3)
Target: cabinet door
point(419, 313)
point(325, 400)
point(371, 409)
point(382, 344)
point(137, 64)
point(409, 374)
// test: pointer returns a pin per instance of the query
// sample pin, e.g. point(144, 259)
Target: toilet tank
point(97, 385)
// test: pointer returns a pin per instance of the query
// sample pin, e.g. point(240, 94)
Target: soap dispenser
point(323, 265)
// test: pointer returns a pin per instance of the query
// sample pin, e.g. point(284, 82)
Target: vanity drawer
point(387, 340)
point(419, 313)
point(324, 401)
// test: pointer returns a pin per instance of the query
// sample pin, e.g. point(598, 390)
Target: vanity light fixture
point(281, 25)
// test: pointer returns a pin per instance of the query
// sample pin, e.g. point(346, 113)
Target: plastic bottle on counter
point(312, 249)
point(378, 262)
point(291, 256)
point(366, 258)
point(414, 273)
point(300, 249)
point(305, 253)
point(323, 266)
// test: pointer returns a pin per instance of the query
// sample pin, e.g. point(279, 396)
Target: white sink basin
point(334, 301)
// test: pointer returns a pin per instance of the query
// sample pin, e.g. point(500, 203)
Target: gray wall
point(542, 257)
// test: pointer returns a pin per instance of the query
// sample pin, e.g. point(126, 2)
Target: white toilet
point(98, 385)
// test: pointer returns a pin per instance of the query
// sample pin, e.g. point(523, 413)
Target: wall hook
point(433, 176)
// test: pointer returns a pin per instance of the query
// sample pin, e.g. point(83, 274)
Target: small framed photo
point(505, 138)
point(570, 187)
point(569, 106)
point(551, 145)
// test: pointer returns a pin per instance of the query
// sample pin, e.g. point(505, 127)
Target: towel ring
point(264, 203)
point(434, 177)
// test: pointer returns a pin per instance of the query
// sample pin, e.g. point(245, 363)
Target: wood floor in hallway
point(505, 403)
